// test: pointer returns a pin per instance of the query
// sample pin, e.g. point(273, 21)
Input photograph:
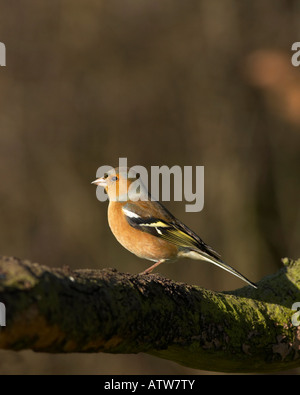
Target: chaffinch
point(147, 229)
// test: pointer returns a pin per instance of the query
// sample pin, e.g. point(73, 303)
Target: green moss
point(246, 330)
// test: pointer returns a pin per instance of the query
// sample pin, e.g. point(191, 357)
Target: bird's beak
point(100, 181)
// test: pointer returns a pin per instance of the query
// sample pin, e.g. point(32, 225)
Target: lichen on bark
point(63, 311)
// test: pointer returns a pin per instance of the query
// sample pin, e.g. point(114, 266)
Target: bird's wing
point(154, 218)
point(164, 225)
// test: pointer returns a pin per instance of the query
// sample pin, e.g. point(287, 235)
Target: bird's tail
point(217, 261)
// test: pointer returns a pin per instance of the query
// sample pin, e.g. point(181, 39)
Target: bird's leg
point(149, 270)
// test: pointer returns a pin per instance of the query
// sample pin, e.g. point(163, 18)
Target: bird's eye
point(105, 175)
point(114, 178)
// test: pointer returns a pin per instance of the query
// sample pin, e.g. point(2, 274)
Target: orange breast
point(139, 243)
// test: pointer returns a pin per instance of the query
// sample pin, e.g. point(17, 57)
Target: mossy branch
point(64, 311)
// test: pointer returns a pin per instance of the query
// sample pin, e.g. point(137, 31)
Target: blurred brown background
point(195, 82)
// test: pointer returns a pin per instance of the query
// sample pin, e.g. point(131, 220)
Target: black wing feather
point(172, 230)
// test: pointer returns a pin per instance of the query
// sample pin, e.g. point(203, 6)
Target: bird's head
point(121, 184)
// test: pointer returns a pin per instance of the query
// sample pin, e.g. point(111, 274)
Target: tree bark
point(64, 311)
